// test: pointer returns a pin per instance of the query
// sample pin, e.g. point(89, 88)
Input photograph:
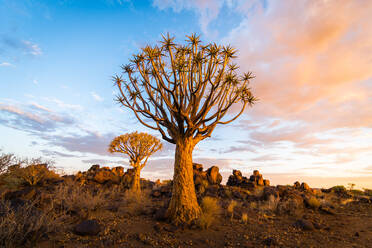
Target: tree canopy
point(185, 90)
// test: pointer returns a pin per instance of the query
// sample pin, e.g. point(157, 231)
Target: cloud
point(96, 97)
point(89, 142)
point(35, 81)
point(32, 48)
point(6, 64)
point(64, 105)
point(8, 43)
point(32, 118)
point(207, 10)
point(50, 153)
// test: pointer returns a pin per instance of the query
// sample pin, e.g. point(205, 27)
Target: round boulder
point(87, 227)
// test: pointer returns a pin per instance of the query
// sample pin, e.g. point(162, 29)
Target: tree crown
point(185, 89)
point(137, 146)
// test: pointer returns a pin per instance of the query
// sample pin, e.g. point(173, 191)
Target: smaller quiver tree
point(139, 147)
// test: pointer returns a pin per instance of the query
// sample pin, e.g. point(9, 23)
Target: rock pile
point(103, 175)
point(236, 179)
point(203, 179)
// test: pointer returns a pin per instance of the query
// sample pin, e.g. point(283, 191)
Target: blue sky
point(312, 69)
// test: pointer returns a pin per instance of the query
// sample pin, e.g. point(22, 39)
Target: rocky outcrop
point(103, 175)
point(236, 179)
point(204, 179)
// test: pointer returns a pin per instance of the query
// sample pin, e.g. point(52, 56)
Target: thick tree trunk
point(183, 207)
point(136, 186)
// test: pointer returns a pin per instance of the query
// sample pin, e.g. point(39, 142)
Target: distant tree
point(185, 91)
point(139, 147)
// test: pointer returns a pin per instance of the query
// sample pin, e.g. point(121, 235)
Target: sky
point(312, 60)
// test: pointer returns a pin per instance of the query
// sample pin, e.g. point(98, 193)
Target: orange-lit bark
point(136, 186)
point(183, 207)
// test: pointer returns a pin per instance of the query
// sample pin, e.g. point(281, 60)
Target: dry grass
point(313, 203)
point(71, 197)
point(231, 207)
point(244, 218)
point(24, 225)
point(136, 203)
point(210, 212)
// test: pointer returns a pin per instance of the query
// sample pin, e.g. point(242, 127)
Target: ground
point(128, 220)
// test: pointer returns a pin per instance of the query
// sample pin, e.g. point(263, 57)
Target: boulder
point(305, 225)
point(103, 176)
point(305, 187)
point(197, 167)
point(94, 167)
point(296, 185)
point(203, 179)
point(255, 180)
point(87, 227)
point(213, 175)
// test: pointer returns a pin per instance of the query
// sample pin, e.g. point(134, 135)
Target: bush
point(368, 192)
point(338, 189)
point(313, 202)
point(245, 218)
point(26, 172)
point(137, 203)
point(24, 225)
point(271, 204)
point(210, 210)
point(230, 208)
point(72, 197)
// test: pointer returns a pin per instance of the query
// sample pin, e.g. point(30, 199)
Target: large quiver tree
point(184, 91)
point(139, 147)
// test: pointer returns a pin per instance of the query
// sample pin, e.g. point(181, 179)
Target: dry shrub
point(72, 197)
point(26, 172)
point(271, 204)
point(210, 211)
point(313, 202)
point(33, 174)
point(258, 192)
point(136, 203)
point(231, 207)
point(245, 218)
point(24, 225)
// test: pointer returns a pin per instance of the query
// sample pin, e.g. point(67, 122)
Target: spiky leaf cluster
point(184, 89)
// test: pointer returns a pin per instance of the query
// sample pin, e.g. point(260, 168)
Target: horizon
point(313, 73)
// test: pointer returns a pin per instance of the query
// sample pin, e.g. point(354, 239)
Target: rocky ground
point(95, 209)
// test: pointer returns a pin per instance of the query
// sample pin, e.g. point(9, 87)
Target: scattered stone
point(160, 214)
point(156, 193)
point(327, 210)
point(88, 227)
point(270, 241)
point(305, 225)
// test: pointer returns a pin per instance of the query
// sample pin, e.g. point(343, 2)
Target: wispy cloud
point(32, 48)
point(63, 105)
point(32, 118)
point(96, 97)
point(6, 64)
point(26, 46)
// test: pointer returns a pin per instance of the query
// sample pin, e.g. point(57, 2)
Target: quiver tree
point(184, 91)
point(139, 147)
